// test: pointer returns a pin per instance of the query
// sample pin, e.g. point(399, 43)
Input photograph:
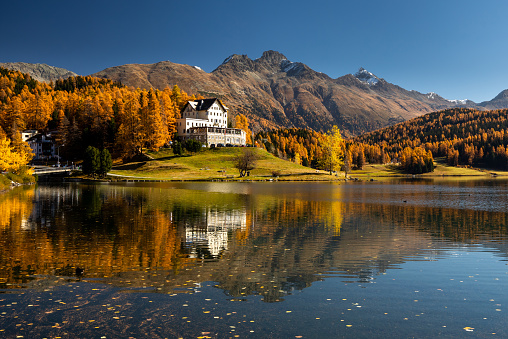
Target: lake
point(407, 258)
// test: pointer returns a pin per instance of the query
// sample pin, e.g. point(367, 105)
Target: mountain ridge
point(39, 72)
point(275, 92)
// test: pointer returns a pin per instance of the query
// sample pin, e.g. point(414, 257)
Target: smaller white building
point(207, 121)
point(43, 146)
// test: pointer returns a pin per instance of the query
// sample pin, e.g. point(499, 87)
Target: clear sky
point(457, 49)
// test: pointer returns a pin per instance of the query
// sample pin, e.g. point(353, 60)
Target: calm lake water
point(401, 259)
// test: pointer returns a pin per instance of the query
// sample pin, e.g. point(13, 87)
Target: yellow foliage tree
point(10, 159)
point(241, 122)
point(333, 150)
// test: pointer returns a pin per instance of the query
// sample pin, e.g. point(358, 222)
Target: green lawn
point(211, 164)
point(441, 170)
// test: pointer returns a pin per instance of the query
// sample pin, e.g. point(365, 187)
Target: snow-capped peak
point(198, 68)
point(458, 102)
point(431, 95)
point(366, 77)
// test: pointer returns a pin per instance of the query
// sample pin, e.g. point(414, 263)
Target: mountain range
point(275, 92)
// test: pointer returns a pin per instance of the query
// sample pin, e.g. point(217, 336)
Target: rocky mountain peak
point(272, 57)
point(366, 77)
point(235, 58)
point(502, 96)
point(236, 63)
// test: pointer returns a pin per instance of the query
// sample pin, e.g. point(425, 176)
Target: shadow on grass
point(130, 166)
point(171, 157)
point(395, 169)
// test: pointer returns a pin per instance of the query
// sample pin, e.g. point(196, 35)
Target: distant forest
point(463, 136)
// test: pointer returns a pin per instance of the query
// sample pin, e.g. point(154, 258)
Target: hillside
point(463, 136)
point(275, 92)
point(214, 164)
point(39, 72)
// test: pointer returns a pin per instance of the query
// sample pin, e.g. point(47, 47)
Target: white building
point(207, 121)
point(43, 146)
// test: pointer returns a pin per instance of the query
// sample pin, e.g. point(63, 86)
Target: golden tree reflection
point(15, 207)
point(268, 242)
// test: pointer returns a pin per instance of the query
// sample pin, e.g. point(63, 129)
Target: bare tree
point(246, 161)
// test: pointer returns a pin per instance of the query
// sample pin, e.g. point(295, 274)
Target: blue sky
point(457, 49)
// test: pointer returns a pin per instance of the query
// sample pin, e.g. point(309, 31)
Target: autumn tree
point(14, 156)
point(168, 112)
point(130, 134)
point(241, 122)
point(333, 155)
point(155, 130)
point(416, 161)
point(246, 161)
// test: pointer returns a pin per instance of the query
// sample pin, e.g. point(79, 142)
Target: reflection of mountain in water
point(269, 241)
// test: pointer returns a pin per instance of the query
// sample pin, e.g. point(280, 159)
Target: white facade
point(206, 121)
point(202, 113)
point(43, 146)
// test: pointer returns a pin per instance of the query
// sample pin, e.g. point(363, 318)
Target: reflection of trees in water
point(15, 207)
point(268, 245)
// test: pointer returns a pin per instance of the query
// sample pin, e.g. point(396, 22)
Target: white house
point(207, 121)
point(43, 146)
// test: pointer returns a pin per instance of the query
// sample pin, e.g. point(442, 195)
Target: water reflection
point(250, 239)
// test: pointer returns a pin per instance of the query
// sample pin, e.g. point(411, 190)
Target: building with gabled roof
point(43, 146)
point(206, 120)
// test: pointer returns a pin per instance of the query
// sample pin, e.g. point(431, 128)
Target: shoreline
point(308, 177)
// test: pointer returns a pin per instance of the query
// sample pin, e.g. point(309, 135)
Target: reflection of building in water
point(207, 235)
point(47, 203)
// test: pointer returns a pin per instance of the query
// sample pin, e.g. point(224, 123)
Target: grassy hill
point(212, 164)
point(217, 164)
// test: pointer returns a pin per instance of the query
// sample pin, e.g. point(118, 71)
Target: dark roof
point(203, 104)
point(39, 138)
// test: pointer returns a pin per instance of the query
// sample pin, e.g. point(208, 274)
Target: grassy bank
point(6, 180)
point(441, 169)
point(217, 164)
point(212, 164)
